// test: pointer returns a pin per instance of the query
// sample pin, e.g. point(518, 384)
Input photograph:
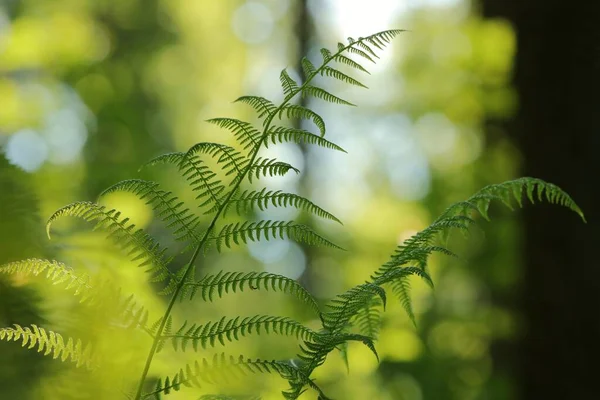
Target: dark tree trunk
point(557, 76)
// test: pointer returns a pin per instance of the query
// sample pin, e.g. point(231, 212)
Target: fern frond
point(231, 160)
point(417, 249)
point(225, 397)
point(269, 167)
point(229, 330)
point(199, 176)
point(242, 232)
point(140, 247)
point(289, 85)
point(401, 288)
point(301, 112)
point(264, 198)
point(56, 272)
point(323, 94)
point(308, 68)
point(130, 315)
point(350, 62)
point(222, 368)
point(167, 206)
point(299, 136)
point(51, 344)
point(263, 106)
point(368, 318)
point(216, 286)
point(343, 307)
point(244, 132)
point(339, 75)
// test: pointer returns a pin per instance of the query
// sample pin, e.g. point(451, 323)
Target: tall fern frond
point(167, 206)
point(140, 247)
point(51, 344)
point(264, 198)
point(242, 232)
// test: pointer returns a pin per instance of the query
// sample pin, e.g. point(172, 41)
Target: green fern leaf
point(269, 167)
point(221, 367)
point(264, 198)
point(199, 176)
point(139, 245)
point(263, 106)
point(298, 111)
point(244, 132)
point(216, 286)
point(231, 160)
point(350, 62)
point(229, 330)
point(242, 232)
point(322, 94)
point(334, 73)
point(167, 206)
point(51, 344)
point(308, 68)
point(290, 87)
point(56, 272)
point(281, 134)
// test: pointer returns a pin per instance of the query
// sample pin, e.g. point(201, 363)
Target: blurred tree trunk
point(557, 76)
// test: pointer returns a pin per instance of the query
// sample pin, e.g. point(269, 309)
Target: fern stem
point(222, 206)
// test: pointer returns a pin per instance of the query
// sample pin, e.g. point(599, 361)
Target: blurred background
point(475, 93)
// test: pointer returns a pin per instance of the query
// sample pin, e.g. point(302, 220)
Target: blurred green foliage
point(137, 78)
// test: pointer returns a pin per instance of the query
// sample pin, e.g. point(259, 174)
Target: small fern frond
point(140, 247)
point(323, 94)
point(300, 112)
point(229, 330)
point(290, 86)
point(401, 288)
point(130, 315)
point(242, 232)
point(216, 286)
point(56, 272)
point(269, 167)
point(263, 106)
point(339, 75)
point(308, 68)
point(51, 344)
point(244, 132)
point(264, 198)
point(167, 206)
point(299, 136)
